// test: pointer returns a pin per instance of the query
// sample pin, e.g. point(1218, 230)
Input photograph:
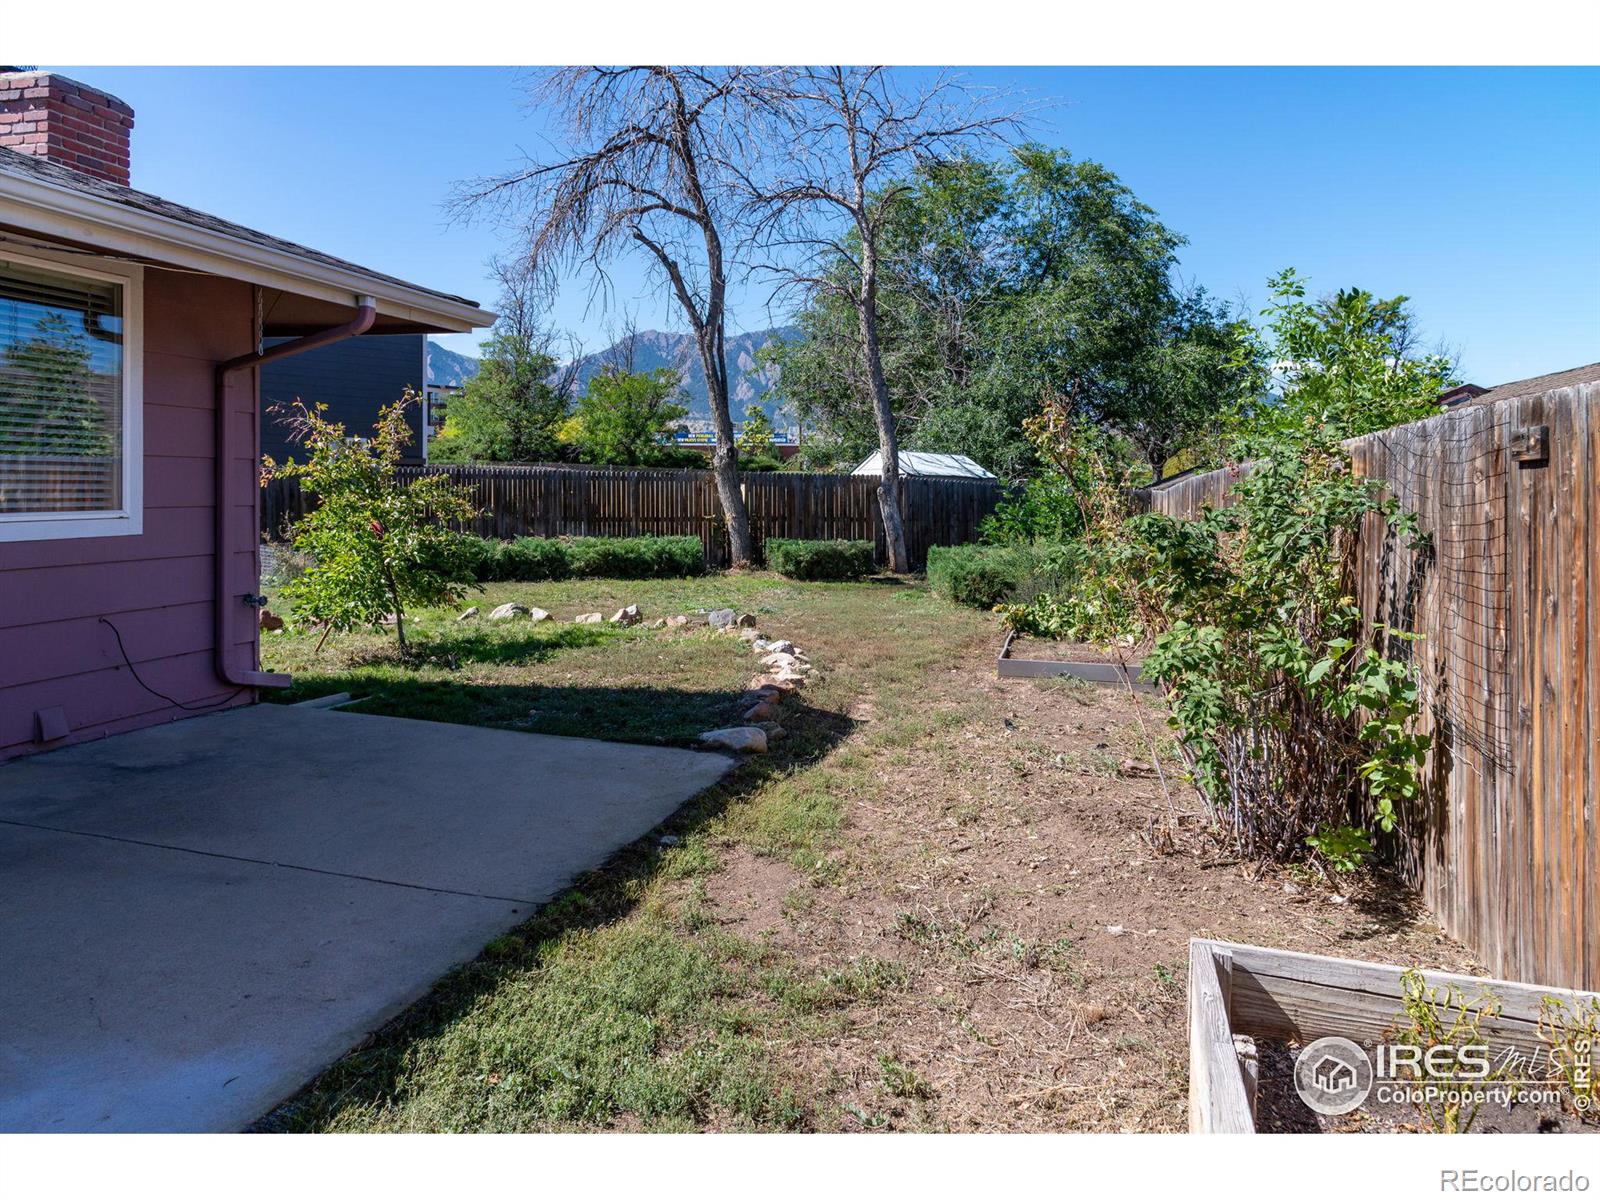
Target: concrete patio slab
point(195, 919)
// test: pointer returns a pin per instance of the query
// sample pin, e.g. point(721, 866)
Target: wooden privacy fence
point(1504, 844)
point(537, 501)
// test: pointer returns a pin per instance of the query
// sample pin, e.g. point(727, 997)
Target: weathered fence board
point(1504, 842)
point(529, 501)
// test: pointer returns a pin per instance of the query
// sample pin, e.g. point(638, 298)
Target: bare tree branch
point(642, 166)
point(853, 136)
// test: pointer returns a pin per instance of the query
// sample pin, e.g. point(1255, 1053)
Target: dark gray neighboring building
point(354, 378)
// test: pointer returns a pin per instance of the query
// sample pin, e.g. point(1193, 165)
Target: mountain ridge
point(749, 381)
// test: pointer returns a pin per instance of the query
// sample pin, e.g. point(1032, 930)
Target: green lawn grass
point(603, 681)
point(623, 1005)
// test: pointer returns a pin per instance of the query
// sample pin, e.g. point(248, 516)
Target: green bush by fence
point(637, 557)
point(525, 559)
point(835, 560)
point(535, 560)
point(984, 576)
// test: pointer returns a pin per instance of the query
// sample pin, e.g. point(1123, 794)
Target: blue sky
point(1475, 191)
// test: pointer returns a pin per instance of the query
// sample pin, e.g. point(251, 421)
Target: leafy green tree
point(509, 412)
point(1191, 361)
point(1004, 283)
point(1342, 366)
point(377, 546)
point(756, 434)
point(757, 440)
point(627, 418)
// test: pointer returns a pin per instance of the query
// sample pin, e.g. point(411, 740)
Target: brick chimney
point(67, 122)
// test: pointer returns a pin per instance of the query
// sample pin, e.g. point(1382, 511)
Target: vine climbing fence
point(1504, 842)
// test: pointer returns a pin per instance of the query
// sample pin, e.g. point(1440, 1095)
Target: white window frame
point(127, 520)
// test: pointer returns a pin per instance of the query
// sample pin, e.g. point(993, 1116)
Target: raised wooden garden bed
point(1080, 662)
point(1241, 991)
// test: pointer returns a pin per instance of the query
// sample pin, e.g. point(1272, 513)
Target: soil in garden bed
point(1050, 650)
point(1280, 1110)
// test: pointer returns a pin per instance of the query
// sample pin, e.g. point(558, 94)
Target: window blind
point(61, 393)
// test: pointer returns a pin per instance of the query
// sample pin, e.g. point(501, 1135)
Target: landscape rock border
point(784, 666)
point(785, 669)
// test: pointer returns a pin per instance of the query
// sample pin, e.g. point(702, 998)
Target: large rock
point(539, 614)
point(721, 618)
point(589, 618)
point(627, 616)
point(745, 738)
point(509, 610)
point(745, 620)
point(677, 622)
point(765, 710)
point(779, 647)
point(470, 615)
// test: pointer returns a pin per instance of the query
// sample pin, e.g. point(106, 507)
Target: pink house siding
point(158, 586)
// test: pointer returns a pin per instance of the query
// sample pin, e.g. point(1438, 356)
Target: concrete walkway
point(197, 918)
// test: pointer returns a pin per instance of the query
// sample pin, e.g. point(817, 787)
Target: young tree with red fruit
point(377, 545)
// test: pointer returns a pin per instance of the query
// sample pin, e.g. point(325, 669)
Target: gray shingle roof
point(30, 166)
point(1538, 384)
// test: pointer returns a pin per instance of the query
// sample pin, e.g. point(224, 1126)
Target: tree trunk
point(894, 529)
point(725, 459)
point(710, 332)
point(399, 609)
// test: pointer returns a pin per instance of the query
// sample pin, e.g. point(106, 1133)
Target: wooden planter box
point(1239, 989)
point(1107, 674)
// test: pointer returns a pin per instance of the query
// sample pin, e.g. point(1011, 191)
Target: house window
point(70, 418)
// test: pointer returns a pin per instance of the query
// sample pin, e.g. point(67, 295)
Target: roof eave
point(49, 209)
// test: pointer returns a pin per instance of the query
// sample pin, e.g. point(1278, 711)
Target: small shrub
point(832, 560)
point(985, 576)
point(1570, 1038)
point(1434, 1018)
point(637, 558)
point(529, 560)
point(1045, 509)
point(479, 554)
point(533, 560)
point(375, 545)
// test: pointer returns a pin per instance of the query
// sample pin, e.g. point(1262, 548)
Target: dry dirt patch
point(1005, 861)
